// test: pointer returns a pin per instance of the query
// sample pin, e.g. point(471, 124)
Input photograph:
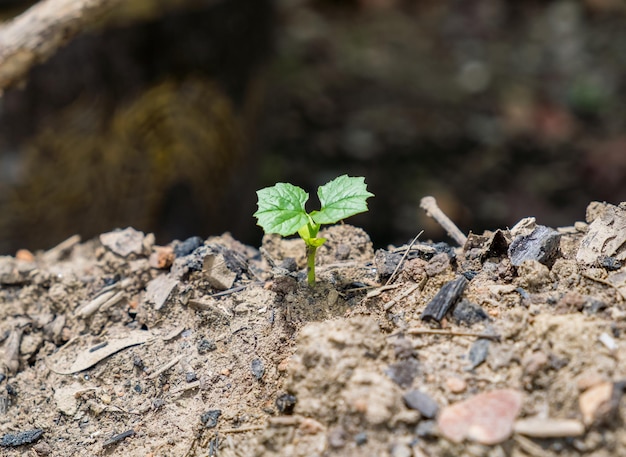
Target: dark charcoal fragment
point(257, 368)
point(468, 313)
point(421, 402)
point(209, 418)
point(609, 263)
point(188, 246)
point(478, 352)
point(469, 274)
point(444, 299)
point(119, 437)
point(403, 372)
point(541, 245)
point(285, 403)
point(18, 439)
point(206, 345)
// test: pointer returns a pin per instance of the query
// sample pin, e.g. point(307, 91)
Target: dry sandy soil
point(511, 345)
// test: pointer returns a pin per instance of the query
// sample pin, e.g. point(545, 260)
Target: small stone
point(124, 242)
point(595, 402)
point(286, 403)
point(549, 427)
point(426, 429)
point(209, 418)
point(360, 438)
point(65, 399)
point(258, 368)
point(478, 352)
point(403, 372)
point(421, 402)
point(468, 313)
point(437, 265)
point(456, 385)
point(191, 376)
point(42, 448)
point(206, 345)
point(24, 255)
point(162, 257)
point(608, 263)
point(485, 418)
point(217, 273)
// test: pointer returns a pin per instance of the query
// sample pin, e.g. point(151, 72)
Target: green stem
point(310, 257)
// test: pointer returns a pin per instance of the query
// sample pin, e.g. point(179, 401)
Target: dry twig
point(429, 204)
point(40, 31)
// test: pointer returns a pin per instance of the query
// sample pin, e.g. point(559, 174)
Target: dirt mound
point(510, 345)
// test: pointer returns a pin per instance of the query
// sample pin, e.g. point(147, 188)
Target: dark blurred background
point(169, 114)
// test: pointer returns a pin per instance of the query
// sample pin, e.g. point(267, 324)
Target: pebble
point(468, 313)
point(549, 427)
point(478, 352)
point(421, 402)
point(403, 372)
point(485, 418)
point(456, 385)
point(360, 438)
point(258, 368)
point(124, 242)
point(594, 403)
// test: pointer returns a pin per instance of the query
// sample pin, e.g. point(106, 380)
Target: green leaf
point(281, 209)
point(343, 197)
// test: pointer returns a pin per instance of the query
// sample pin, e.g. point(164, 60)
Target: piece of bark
point(444, 299)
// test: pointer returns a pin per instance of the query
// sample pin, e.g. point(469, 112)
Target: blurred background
point(167, 115)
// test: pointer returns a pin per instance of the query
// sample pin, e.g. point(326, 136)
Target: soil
point(116, 346)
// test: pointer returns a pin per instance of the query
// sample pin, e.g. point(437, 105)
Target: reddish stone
point(486, 418)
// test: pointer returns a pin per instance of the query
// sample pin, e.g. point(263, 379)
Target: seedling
point(281, 210)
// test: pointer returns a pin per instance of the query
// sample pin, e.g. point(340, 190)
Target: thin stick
point(431, 331)
point(165, 367)
point(249, 428)
point(406, 253)
point(404, 294)
point(429, 204)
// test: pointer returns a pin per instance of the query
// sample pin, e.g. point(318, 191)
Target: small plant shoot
point(281, 210)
